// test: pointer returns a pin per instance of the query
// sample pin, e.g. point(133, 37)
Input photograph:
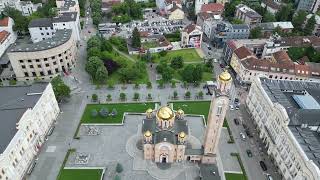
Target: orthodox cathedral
point(165, 132)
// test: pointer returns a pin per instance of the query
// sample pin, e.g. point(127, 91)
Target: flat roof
point(41, 22)
point(306, 101)
point(65, 17)
point(60, 37)
point(14, 101)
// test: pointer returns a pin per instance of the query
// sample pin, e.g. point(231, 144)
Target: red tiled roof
point(242, 52)
point(173, 1)
point(190, 28)
point(3, 36)
point(302, 70)
point(298, 41)
point(231, 44)
point(4, 21)
point(212, 7)
point(281, 57)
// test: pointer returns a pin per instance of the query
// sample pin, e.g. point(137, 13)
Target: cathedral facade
point(165, 131)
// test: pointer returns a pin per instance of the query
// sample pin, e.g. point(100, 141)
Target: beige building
point(175, 13)
point(45, 59)
point(247, 15)
point(286, 115)
point(191, 36)
point(165, 132)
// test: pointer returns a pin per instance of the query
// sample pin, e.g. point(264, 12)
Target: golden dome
point(165, 113)
point(225, 76)
point(182, 135)
point(147, 134)
point(180, 111)
point(149, 110)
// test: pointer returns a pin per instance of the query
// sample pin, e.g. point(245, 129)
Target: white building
point(7, 35)
point(68, 6)
point(247, 15)
point(27, 115)
point(26, 7)
point(198, 5)
point(44, 59)
point(44, 28)
point(286, 114)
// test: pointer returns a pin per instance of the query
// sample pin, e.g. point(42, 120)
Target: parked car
point(237, 107)
point(209, 47)
point(263, 165)
point(236, 101)
point(243, 137)
point(249, 153)
point(221, 65)
point(231, 107)
point(236, 121)
point(244, 126)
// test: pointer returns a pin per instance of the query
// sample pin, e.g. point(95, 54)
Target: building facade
point(44, 28)
point(285, 114)
point(247, 15)
point(26, 7)
point(45, 59)
point(311, 6)
point(191, 36)
point(28, 113)
point(272, 6)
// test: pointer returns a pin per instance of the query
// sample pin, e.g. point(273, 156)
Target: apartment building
point(316, 30)
point(268, 28)
point(44, 28)
point(286, 116)
point(272, 6)
point(27, 115)
point(247, 15)
point(191, 36)
point(68, 6)
point(44, 59)
point(311, 6)
point(26, 7)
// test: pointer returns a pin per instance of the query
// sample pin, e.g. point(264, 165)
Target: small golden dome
point(149, 110)
point(225, 76)
point(147, 134)
point(165, 113)
point(180, 111)
point(182, 135)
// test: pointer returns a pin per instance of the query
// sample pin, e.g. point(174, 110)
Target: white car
point(215, 60)
point(243, 137)
point(269, 177)
point(231, 107)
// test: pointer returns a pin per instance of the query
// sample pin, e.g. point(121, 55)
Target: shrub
point(188, 94)
point(94, 97)
point(161, 84)
point(149, 96)
point(173, 84)
point(122, 96)
point(117, 177)
point(104, 112)
point(200, 94)
point(94, 113)
point(119, 168)
point(149, 85)
point(12, 82)
point(163, 53)
point(111, 65)
point(136, 96)
point(175, 94)
point(110, 85)
point(114, 112)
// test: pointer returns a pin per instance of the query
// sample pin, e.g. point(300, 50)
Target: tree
point(298, 19)
point(20, 22)
point(60, 89)
point(167, 74)
point(197, 73)
point(200, 94)
point(186, 73)
point(136, 96)
point(163, 53)
point(94, 41)
point(149, 85)
point(177, 62)
point(230, 8)
point(109, 97)
point(119, 168)
point(92, 65)
point(117, 177)
point(122, 96)
point(237, 21)
point(101, 74)
point(136, 41)
point(188, 94)
point(94, 51)
point(255, 33)
point(149, 96)
point(175, 94)
point(268, 17)
point(106, 46)
point(114, 112)
point(94, 97)
point(285, 13)
point(308, 29)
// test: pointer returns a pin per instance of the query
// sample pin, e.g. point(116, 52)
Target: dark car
point(244, 126)
point(249, 153)
point(236, 121)
point(221, 65)
point(263, 165)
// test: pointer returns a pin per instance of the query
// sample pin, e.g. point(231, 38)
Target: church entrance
point(164, 160)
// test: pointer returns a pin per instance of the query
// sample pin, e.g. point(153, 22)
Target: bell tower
point(218, 108)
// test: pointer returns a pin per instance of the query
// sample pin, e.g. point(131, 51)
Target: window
point(42, 34)
point(41, 73)
point(47, 65)
point(29, 60)
point(39, 65)
point(46, 28)
point(40, 28)
point(57, 70)
point(31, 66)
point(53, 57)
point(34, 74)
point(63, 24)
point(37, 60)
point(219, 110)
point(47, 33)
point(23, 66)
point(54, 63)
point(26, 74)
point(45, 59)
point(61, 60)
point(49, 72)
point(59, 55)
point(21, 61)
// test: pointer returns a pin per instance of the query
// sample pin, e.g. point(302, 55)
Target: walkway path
point(124, 54)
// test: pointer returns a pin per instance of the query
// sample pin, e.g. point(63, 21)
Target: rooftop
point(60, 37)
point(14, 101)
point(248, 11)
point(4, 35)
point(41, 22)
point(191, 27)
point(4, 21)
point(212, 7)
point(65, 17)
point(273, 25)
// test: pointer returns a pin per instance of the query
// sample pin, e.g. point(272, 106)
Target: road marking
point(51, 149)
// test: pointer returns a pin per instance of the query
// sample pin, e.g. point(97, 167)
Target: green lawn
point(81, 174)
point(206, 76)
point(120, 107)
point(193, 107)
point(232, 176)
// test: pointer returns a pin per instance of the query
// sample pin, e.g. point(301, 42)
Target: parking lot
point(152, 23)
